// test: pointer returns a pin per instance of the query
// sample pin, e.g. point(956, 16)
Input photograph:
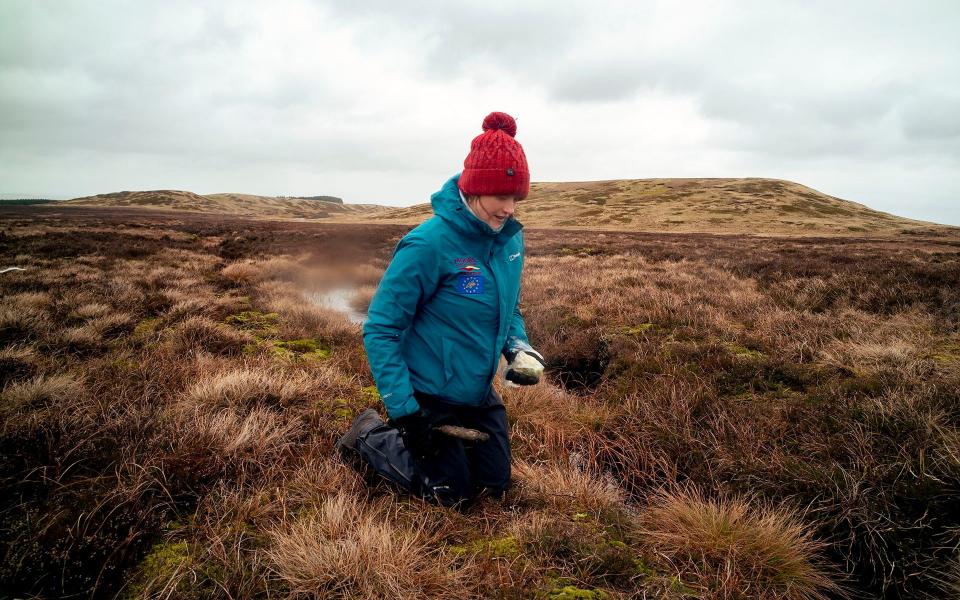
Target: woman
point(445, 310)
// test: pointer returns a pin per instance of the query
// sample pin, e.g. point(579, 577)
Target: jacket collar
point(448, 205)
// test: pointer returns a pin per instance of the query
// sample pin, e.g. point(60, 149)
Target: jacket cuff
point(408, 407)
point(515, 345)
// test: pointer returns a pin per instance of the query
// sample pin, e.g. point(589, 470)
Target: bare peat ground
point(726, 417)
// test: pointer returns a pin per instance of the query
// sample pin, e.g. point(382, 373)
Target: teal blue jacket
point(446, 308)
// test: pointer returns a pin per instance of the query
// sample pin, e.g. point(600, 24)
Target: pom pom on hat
point(496, 164)
point(501, 121)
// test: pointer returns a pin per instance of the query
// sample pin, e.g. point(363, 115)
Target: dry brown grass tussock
point(737, 547)
point(198, 333)
point(300, 319)
point(568, 489)
point(247, 388)
point(26, 403)
point(256, 437)
point(277, 268)
point(19, 323)
point(17, 361)
point(349, 549)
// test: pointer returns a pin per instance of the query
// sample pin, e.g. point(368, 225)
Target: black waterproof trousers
point(458, 471)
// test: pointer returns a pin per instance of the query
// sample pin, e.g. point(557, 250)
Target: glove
point(524, 367)
point(417, 431)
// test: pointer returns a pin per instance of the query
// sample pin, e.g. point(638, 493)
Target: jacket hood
point(448, 206)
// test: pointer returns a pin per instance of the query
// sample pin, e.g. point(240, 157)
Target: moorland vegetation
point(725, 417)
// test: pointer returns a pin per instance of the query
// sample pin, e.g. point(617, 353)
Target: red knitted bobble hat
point(496, 165)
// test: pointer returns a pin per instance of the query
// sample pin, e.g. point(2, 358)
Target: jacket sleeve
point(516, 333)
point(410, 279)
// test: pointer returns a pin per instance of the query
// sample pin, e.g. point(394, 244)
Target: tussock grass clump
point(301, 319)
point(349, 549)
point(92, 310)
point(199, 333)
point(22, 323)
point(27, 403)
point(16, 362)
point(277, 268)
point(83, 339)
point(257, 436)
point(735, 548)
point(568, 489)
point(247, 388)
point(241, 272)
point(41, 301)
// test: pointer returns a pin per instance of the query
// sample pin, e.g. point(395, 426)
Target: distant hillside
point(235, 204)
point(747, 205)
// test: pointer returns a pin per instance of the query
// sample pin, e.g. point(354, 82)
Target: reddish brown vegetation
point(727, 417)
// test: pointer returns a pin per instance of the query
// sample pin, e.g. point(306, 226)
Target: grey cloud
point(932, 117)
point(523, 37)
point(207, 92)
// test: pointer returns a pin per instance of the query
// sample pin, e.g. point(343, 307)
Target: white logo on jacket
point(513, 257)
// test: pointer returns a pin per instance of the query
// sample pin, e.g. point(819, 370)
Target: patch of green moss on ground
point(256, 321)
point(570, 592)
point(637, 329)
point(505, 547)
point(145, 327)
point(681, 588)
point(370, 394)
point(342, 410)
point(945, 353)
point(300, 349)
point(162, 562)
point(742, 352)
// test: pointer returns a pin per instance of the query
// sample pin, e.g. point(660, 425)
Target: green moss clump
point(156, 568)
point(146, 327)
point(123, 365)
point(742, 352)
point(506, 547)
point(636, 329)
point(570, 592)
point(300, 349)
point(370, 394)
point(254, 320)
point(945, 353)
point(164, 557)
point(342, 410)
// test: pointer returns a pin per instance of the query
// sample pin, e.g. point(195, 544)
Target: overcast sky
point(377, 101)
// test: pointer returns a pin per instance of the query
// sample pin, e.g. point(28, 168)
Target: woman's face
point(493, 210)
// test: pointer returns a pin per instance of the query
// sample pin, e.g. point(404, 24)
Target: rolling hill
point(741, 205)
point(229, 203)
point(744, 205)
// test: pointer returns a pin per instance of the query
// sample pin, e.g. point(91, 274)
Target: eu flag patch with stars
point(470, 284)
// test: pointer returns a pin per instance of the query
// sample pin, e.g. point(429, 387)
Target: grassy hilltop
point(725, 417)
point(747, 205)
point(229, 204)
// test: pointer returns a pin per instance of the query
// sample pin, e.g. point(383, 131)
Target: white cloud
point(378, 101)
